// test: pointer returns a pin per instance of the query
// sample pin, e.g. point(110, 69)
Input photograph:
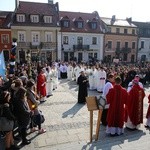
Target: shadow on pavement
point(107, 142)
point(73, 110)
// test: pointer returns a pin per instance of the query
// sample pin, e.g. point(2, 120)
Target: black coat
point(83, 91)
point(7, 112)
point(22, 112)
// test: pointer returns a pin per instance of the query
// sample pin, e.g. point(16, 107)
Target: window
point(80, 25)
point(34, 18)
point(125, 31)
point(94, 40)
point(125, 56)
point(109, 29)
point(5, 38)
point(133, 45)
point(133, 31)
point(142, 44)
point(109, 44)
point(35, 38)
point(117, 30)
point(65, 39)
point(95, 55)
point(21, 36)
point(126, 44)
point(48, 19)
point(93, 25)
point(20, 18)
point(90, 56)
point(118, 45)
point(132, 58)
point(65, 24)
point(80, 40)
point(48, 37)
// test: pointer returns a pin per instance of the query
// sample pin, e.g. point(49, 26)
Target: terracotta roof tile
point(80, 16)
point(5, 19)
point(34, 8)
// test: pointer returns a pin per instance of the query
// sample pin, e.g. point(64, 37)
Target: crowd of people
point(22, 92)
point(123, 89)
point(20, 95)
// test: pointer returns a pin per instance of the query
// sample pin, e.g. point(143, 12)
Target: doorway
point(80, 57)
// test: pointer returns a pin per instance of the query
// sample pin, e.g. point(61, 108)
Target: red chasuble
point(41, 84)
point(116, 97)
point(135, 104)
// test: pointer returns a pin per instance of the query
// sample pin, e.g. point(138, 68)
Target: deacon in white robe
point(92, 78)
point(54, 77)
point(101, 79)
point(49, 82)
point(70, 72)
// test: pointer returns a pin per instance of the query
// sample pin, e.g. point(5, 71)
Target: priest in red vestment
point(135, 106)
point(148, 114)
point(41, 85)
point(117, 98)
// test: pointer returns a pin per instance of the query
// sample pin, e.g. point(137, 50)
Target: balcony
point(23, 45)
point(81, 47)
point(126, 50)
point(41, 45)
point(35, 46)
point(123, 50)
point(48, 45)
point(118, 50)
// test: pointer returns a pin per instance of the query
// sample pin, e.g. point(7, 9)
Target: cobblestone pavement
point(67, 125)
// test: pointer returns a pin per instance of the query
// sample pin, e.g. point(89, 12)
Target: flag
point(2, 65)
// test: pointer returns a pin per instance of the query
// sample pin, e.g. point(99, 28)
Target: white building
point(81, 36)
point(143, 41)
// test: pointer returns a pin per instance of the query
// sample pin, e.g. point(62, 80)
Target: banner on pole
point(2, 65)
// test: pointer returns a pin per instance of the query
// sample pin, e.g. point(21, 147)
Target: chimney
point(16, 4)
point(50, 1)
point(113, 19)
point(57, 7)
point(129, 20)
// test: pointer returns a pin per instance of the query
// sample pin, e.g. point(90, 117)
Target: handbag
point(38, 119)
point(5, 124)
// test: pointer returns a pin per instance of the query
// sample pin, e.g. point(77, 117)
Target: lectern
point(93, 106)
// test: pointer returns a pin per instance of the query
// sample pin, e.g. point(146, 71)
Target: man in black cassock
point(83, 85)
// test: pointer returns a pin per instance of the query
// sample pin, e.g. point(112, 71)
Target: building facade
point(35, 26)
point(81, 36)
point(120, 41)
point(143, 41)
point(5, 34)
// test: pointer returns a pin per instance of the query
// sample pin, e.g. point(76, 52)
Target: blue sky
point(138, 10)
